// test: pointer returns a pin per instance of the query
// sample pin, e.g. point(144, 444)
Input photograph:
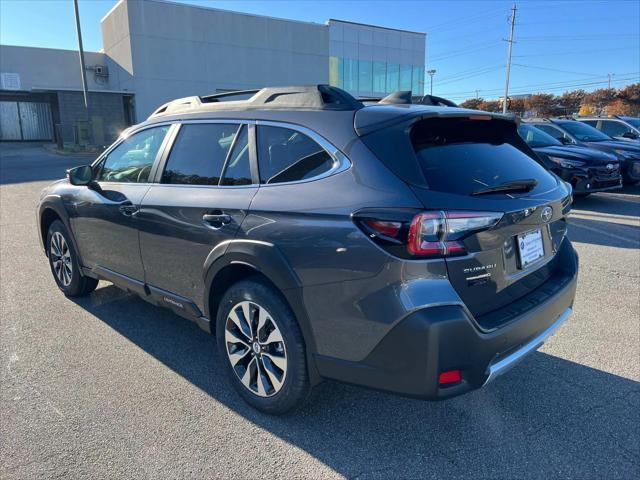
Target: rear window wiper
point(524, 185)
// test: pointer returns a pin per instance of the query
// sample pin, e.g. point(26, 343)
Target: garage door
point(25, 121)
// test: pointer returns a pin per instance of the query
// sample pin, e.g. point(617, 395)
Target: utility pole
point(610, 75)
point(477, 94)
point(81, 53)
point(431, 73)
point(510, 41)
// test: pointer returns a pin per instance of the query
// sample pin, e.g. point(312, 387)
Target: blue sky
point(561, 45)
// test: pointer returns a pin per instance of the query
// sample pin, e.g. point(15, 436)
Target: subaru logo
point(546, 213)
point(610, 166)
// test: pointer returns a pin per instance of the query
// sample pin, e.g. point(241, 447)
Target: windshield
point(537, 138)
point(632, 121)
point(584, 132)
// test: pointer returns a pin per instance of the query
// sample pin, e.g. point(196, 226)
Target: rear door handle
point(221, 218)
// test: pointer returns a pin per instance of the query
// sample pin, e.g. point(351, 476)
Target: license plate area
point(530, 248)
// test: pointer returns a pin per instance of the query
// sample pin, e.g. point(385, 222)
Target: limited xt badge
point(546, 213)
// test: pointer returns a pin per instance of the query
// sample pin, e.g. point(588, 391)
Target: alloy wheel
point(61, 259)
point(256, 349)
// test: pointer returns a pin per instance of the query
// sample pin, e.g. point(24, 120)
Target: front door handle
point(128, 209)
point(213, 218)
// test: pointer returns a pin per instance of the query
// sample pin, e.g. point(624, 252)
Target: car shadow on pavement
point(548, 418)
point(600, 232)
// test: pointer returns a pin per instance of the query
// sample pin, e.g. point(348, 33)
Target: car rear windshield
point(463, 156)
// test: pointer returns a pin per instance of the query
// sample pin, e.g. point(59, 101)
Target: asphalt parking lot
point(112, 387)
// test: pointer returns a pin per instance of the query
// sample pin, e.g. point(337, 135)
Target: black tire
point(73, 283)
point(295, 387)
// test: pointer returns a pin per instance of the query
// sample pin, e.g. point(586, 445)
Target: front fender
point(53, 202)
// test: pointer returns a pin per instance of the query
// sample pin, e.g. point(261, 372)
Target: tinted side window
point(238, 168)
point(199, 153)
point(131, 161)
point(614, 129)
point(285, 155)
point(553, 131)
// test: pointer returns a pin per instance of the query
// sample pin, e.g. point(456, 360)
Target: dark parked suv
point(410, 248)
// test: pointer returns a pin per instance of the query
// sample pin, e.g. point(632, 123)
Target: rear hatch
point(504, 214)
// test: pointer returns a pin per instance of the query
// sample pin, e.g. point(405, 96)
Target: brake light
point(449, 377)
point(431, 234)
point(390, 229)
point(438, 234)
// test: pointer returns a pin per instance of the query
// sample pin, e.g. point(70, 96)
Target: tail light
point(432, 234)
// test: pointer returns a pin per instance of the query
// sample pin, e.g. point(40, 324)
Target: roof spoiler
point(324, 97)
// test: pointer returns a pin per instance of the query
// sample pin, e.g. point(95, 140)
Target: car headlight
point(565, 163)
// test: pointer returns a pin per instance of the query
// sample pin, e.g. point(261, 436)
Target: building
point(154, 51)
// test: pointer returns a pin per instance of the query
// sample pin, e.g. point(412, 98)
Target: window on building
point(285, 155)
point(350, 75)
point(405, 77)
point(238, 168)
point(335, 72)
point(199, 153)
point(365, 76)
point(131, 161)
point(393, 77)
point(417, 81)
point(379, 77)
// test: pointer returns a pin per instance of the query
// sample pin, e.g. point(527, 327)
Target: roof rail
point(322, 97)
point(235, 93)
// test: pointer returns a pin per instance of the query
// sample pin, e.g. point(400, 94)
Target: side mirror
point(82, 176)
point(630, 134)
point(565, 141)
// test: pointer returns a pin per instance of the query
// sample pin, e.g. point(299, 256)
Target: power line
point(477, 74)
point(558, 85)
point(522, 90)
point(556, 70)
point(470, 71)
point(553, 38)
point(462, 51)
point(575, 52)
point(452, 53)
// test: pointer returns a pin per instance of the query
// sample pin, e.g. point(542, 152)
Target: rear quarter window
point(462, 156)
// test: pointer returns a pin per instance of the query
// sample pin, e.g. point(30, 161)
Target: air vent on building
point(101, 71)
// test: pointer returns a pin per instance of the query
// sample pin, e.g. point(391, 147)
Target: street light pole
point(431, 73)
point(81, 53)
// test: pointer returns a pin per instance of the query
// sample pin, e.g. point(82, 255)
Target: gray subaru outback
point(416, 249)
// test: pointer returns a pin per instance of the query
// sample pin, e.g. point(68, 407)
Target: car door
point(105, 223)
point(204, 189)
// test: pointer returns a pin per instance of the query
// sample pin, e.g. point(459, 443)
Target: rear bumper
point(410, 358)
